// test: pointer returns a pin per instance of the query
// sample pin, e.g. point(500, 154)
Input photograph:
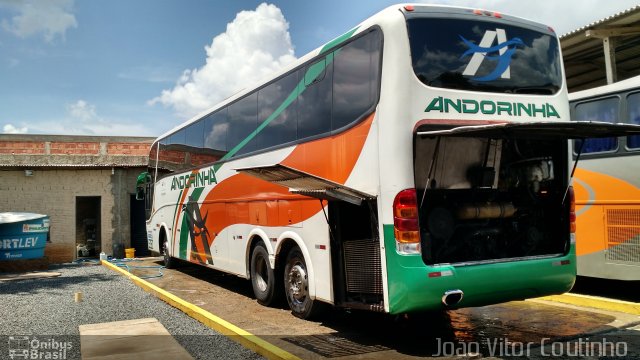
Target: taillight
point(572, 210)
point(405, 222)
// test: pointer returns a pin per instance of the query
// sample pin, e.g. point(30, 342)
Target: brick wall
point(22, 147)
point(54, 192)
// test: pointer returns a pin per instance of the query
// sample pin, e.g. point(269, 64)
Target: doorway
point(88, 226)
point(138, 226)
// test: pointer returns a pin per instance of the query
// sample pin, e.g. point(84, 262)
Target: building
point(86, 184)
point(603, 52)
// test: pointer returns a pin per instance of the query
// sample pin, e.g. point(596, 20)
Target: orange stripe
point(591, 229)
point(332, 158)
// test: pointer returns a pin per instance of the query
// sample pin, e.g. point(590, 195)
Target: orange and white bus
point(607, 184)
point(420, 161)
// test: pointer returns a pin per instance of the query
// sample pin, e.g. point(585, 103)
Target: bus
point(607, 185)
point(418, 162)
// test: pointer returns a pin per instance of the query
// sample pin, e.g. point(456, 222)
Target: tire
point(266, 286)
point(169, 262)
point(296, 287)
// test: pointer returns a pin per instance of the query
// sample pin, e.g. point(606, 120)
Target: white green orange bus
point(607, 185)
point(418, 162)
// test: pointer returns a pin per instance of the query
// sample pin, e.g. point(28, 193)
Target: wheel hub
point(262, 275)
point(298, 283)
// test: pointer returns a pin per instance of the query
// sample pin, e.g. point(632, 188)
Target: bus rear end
point(488, 216)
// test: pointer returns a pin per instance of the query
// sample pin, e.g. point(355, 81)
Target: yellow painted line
point(220, 325)
point(595, 302)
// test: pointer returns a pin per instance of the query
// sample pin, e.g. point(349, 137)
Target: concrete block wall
point(64, 168)
point(54, 192)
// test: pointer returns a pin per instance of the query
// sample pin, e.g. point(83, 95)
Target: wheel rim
point(297, 283)
point(262, 275)
point(165, 247)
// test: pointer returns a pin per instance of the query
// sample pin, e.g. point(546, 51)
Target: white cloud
point(82, 110)
point(563, 16)
point(50, 18)
point(11, 129)
point(255, 44)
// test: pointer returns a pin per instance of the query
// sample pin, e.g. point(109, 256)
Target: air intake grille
point(623, 235)
point(362, 266)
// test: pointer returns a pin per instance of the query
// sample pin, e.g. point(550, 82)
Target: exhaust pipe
point(452, 297)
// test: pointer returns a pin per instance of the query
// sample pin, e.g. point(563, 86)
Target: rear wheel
point(266, 287)
point(296, 285)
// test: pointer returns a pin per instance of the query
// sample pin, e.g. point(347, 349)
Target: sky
point(141, 67)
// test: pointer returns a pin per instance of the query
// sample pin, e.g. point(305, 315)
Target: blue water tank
point(22, 235)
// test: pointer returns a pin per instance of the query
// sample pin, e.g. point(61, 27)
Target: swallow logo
point(479, 53)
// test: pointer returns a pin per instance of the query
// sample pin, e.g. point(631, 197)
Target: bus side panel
point(608, 223)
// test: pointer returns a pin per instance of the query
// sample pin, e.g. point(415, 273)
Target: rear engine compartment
point(491, 199)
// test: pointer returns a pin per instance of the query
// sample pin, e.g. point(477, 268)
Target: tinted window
point(277, 112)
point(604, 110)
point(448, 53)
point(314, 103)
point(216, 126)
point(195, 135)
point(243, 121)
point(355, 79)
point(177, 138)
point(633, 106)
point(170, 158)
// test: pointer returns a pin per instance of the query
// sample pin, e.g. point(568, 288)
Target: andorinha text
point(488, 107)
point(200, 179)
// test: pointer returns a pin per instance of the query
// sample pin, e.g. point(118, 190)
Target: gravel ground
point(45, 308)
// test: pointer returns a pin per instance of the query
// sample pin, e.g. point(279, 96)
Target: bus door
point(498, 192)
point(352, 219)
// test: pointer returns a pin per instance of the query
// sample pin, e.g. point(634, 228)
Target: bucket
point(129, 253)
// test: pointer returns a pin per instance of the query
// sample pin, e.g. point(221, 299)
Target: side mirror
point(140, 193)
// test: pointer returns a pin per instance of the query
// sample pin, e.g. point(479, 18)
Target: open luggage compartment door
point(306, 184)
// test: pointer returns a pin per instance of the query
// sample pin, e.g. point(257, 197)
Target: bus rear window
point(484, 56)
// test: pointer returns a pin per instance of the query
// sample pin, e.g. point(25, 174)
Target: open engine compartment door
point(300, 182)
point(497, 192)
point(539, 130)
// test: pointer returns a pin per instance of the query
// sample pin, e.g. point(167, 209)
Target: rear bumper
point(412, 289)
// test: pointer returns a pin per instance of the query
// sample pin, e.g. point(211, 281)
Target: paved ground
point(44, 312)
point(535, 328)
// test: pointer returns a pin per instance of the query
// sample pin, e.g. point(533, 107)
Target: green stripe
point(312, 73)
point(184, 229)
point(338, 40)
point(184, 238)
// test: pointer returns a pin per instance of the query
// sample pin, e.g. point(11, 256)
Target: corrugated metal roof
point(584, 56)
point(601, 21)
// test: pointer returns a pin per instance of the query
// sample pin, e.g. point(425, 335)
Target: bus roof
point(606, 89)
point(375, 19)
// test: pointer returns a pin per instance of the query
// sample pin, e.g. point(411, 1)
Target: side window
point(604, 110)
point(277, 115)
point(243, 120)
point(169, 158)
point(633, 107)
point(216, 127)
point(314, 103)
point(355, 79)
point(194, 142)
point(194, 137)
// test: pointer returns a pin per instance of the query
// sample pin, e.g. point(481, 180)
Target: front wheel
point(169, 262)
point(296, 285)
